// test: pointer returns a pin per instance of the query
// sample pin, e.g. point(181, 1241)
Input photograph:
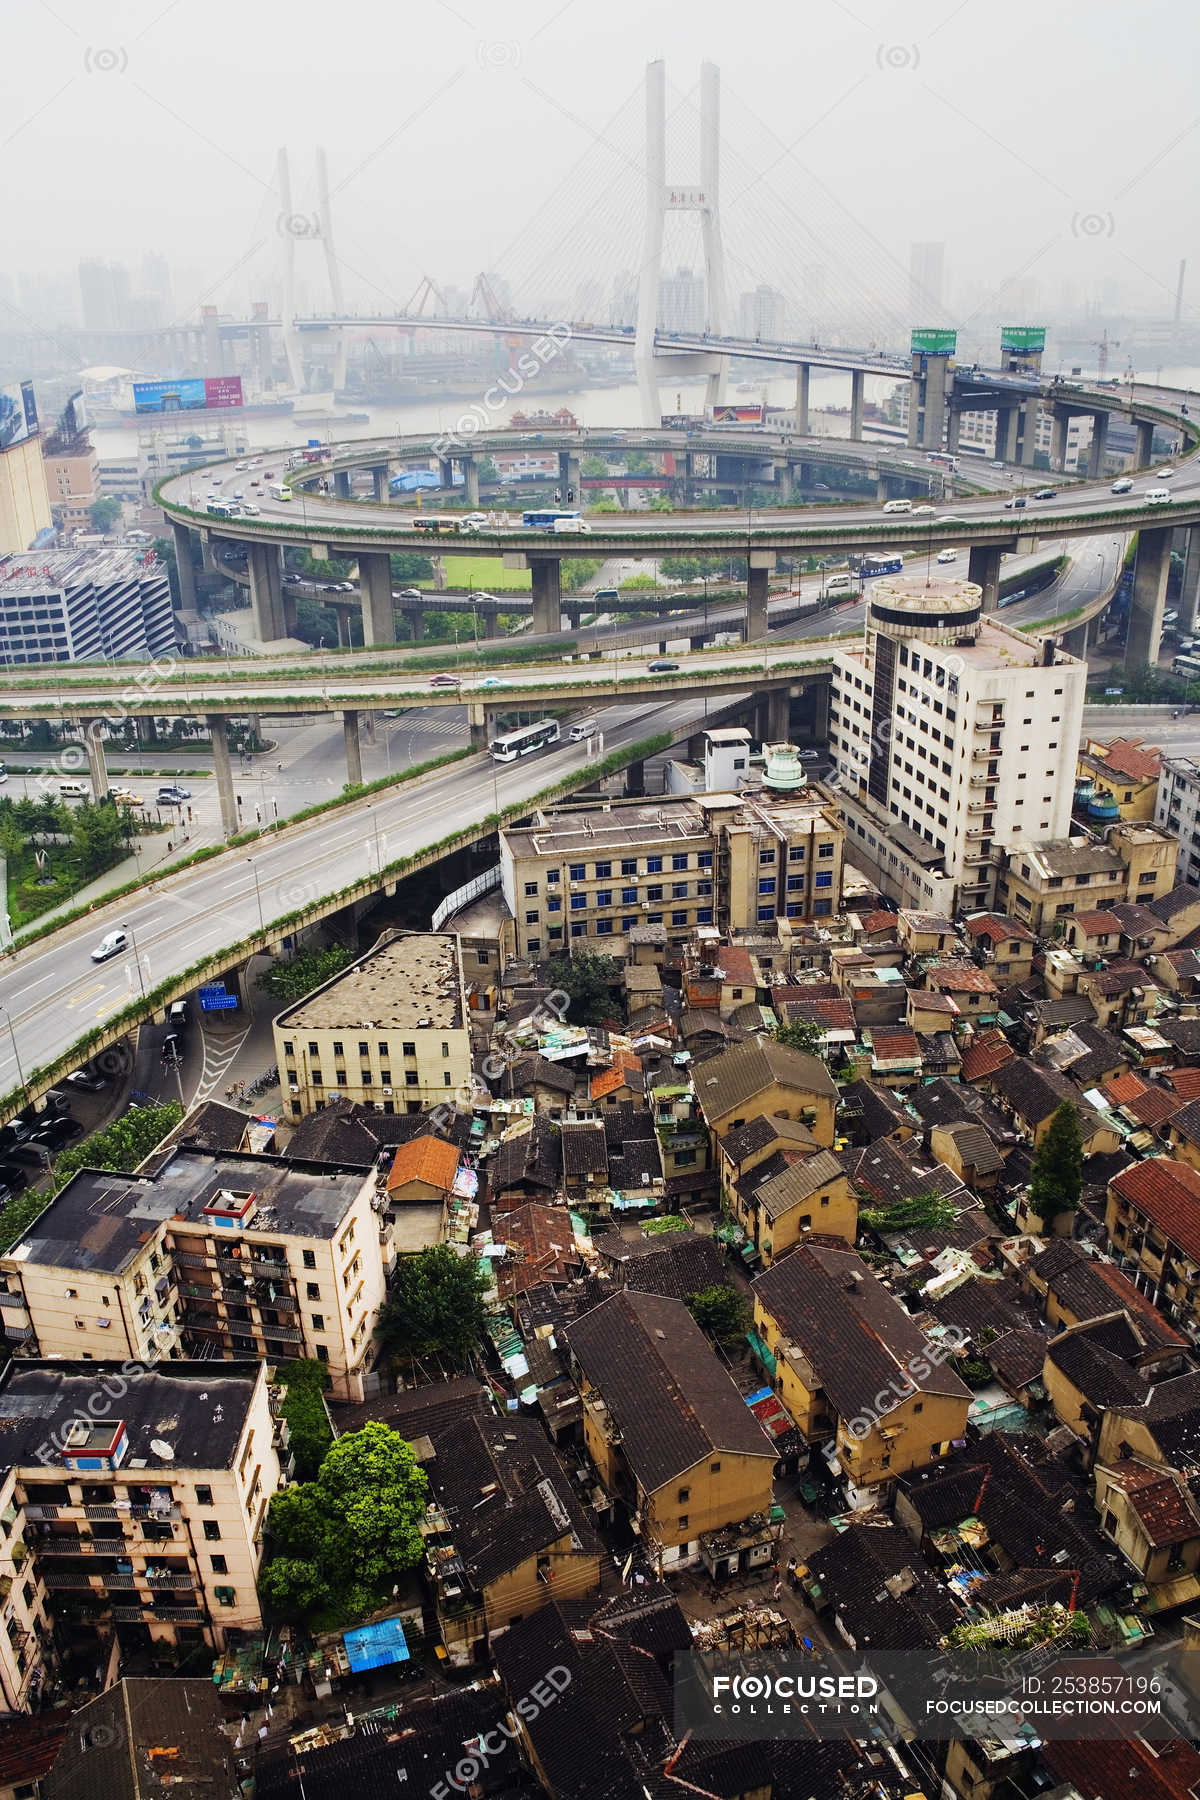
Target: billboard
point(18, 413)
point(197, 393)
point(934, 340)
point(751, 414)
point(1023, 337)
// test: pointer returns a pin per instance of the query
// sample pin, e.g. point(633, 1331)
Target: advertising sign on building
point(750, 414)
point(197, 393)
point(934, 341)
point(18, 413)
point(1029, 338)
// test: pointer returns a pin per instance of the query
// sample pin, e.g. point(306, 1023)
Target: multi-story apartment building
point(132, 1505)
point(953, 736)
point(72, 480)
point(225, 1255)
point(390, 1031)
point(738, 861)
point(1047, 880)
point(1153, 1219)
point(1177, 810)
point(68, 605)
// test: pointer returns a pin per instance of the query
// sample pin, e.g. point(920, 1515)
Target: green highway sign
point(1023, 337)
point(934, 341)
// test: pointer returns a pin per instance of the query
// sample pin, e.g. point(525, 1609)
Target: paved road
point(52, 993)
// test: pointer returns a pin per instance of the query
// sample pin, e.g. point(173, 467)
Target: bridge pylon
point(662, 198)
point(296, 227)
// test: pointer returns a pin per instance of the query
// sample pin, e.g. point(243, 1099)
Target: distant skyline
point(1055, 169)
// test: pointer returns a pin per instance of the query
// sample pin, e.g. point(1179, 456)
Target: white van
point(897, 506)
point(584, 728)
point(1157, 496)
point(573, 527)
point(74, 790)
point(841, 584)
point(944, 556)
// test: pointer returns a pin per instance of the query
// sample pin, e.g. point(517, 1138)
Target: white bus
point(524, 741)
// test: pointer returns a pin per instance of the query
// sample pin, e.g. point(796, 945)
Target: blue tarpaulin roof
point(374, 1646)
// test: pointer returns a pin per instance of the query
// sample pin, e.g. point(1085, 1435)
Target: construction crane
point(1103, 347)
point(485, 293)
point(428, 290)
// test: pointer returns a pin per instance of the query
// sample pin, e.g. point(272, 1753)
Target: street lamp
point(262, 924)
point(137, 957)
point(16, 1053)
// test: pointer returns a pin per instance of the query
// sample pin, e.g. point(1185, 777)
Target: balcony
point(35, 1511)
point(17, 1300)
point(179, 1615)
point(164, 1578)
point(272, 1268)
point(283, 1332)
point(56, 1580)
point(130, 1615)
point(190, 1260)
point(18, 1333)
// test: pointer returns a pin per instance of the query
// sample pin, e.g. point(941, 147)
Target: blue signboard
point(218, 1002)
point(374, 1646)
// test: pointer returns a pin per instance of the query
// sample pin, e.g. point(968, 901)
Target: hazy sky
point(1057, 142)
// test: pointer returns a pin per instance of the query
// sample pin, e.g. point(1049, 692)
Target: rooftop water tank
point(782, 771)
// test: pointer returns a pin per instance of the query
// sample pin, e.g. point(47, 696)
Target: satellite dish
point(162, 1449)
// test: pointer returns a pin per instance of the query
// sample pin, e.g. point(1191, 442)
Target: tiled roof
point(879, 921)
point(1117, 978)
point(1123, 1088)
point(876, 1111)
point(544, 1237)
point(854, 1570)
point(798, 1183)
point(1110, 1770)
point(1186, 1083)
point(1183, 1033)
point(1159, 1500)
point(1187, 1121)
point(941, 1103)
point(672, 1401)
point(727, 1081)
point(995, 927)
point(984, 1053)
point(758, 1134)
point(1137, 920)
point(1089, 1289)
point(531, 1158)
point(584, 1148)
point(959, 978)
point(1099, 1376)
point(887, 1173)
point(1167, 906)
point(927, 1000)
point(425, 1159)
point(1130, 757)
point(1185, 963)
point(1168, 1193)
point(675, 1264)
point(894, 1043)
point(928, 924)
point(1102, 923)
point(1034, 1093)
point(624, 1070)
point(834, 1015)
point(1018, 1356)
point(856, 1336)
point(976, 1149)
point(525, 1073)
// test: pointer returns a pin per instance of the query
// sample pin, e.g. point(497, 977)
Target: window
point(919, 1407)
point(629, 896)
point(824, 878)
point(679, 861)
point(409, 1049)
point(318, 1321)
point(766, 884)
point(685, 1494)
point(825, 850)
point(766, 858)
point(654, 865)
point(578, 902)
point(312, 1291)
point(219, 1565)
point(604, 897)
point(531, 890)
point(679, 890)
point(629, 865)
point(315, 1049)
point(603, 871)
point(212, 1531)
point(714, 1468)
point(337, 1050)
point(679, 918)
point(551, 875)
point(203, 1494)
point(411, 1078)
point(765, 914)
point(704, 915)
point(578, 871)
point(654, 893)
point(554, 904)
point(604, 927)
point(704, 859)
point(309, 1258)
point(322, 1353)
point(683, 1521)
point(531, 917)
point(797, 852)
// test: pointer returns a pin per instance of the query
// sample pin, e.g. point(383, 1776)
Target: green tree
point(100, 836)
point(104, 512)
point(590, 981)
point(122, 1145)
point(436, 1305)
point(605, 504)
point(343, 1538)
point(638, 463)
point(303, 1408)
point(661, 503)
point(720, 1312)
point(306, 971)
point(576, 574)
point(924, 1212)
point(802, 1034)
point(1056, 1184)
point(194, 441)
point(593, 466)
point(410, 566)
point(488, 472)
point(679, 568)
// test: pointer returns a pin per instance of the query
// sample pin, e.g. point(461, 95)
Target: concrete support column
point(353, 747)
point(547, 593)
point(375, 592)
point(379, 481)
point(822, 693)
point(185, 566)
point(477, 726)
point(1149, 595)
point(1029, 432)
point(1189, 596)
point(984, 568)
point(366, 721)
point(147, 730)
point(264, 565)
point(1075, 642)
point(470, 469)
point(341, 483)
point(208, 561)
point(635, 779)
point(953, 431)
point(343, 628)
point(756, 602)
point(446, 471)
point(216, 723)
point(1058, 439)
point(803, 373)
point(93, 743)
point(489, 621)
point(883, 490)
point(414, 618)
point(1099, 449)
point(779, 714)
point(1143, 443)
point(1007, 418)
point(858, 382)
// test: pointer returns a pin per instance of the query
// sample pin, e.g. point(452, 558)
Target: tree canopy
point(435, 1305)
point(340, 1541)
point(802, 1034)
point(1056, 1183)
point(306, 971)
point(590, 981)
point(721, 1312)
point(308, 1423)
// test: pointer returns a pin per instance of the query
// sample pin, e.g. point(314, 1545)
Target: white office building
point(1177, 809)
point(84, 605)
point(953, 737)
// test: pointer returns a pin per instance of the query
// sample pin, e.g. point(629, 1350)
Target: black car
point(1018, 500)
point(87, 1081)
point(661, 666)
point(1045, 494)
point(15, 1132)
point(31, 1153)
point(58, 1133)
point(13, 1176)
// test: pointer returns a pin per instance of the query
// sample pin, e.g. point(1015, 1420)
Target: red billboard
point(753, 413)
point(222, 390)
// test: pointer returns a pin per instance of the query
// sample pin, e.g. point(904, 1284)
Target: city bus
point(946, 461)
point(1187, 666)
point(887, 562)
point(546, 518)
point(524, 740)
point(438, 525)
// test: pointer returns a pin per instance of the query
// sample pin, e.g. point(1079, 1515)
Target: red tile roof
point(925, 1000)
point(427, 1159)
point(959, 978)
point(1186, 1083)
point(624, 1064)
point(1168, 1193)
point(1158, 1502)
point(1111, 1770)
point(995, 927)
point(986, 1052)
point(879, 921)
point(892, 1043)
point(1131, 757)
point(1123, 1088)
point(737, 966)
point(1149, 1105)
point(1097, 924)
